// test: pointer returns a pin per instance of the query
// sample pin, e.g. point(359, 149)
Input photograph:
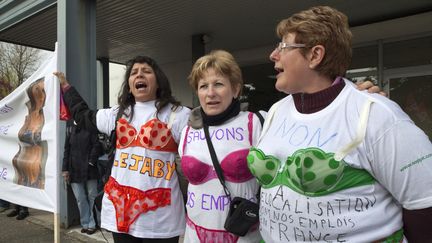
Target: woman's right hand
point(63, 82)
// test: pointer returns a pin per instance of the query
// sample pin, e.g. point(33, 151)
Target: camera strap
point(215, 161)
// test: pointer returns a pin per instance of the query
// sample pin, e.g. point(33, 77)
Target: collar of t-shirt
point(310, 103)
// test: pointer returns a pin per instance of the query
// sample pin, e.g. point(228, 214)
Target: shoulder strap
point(185, 141)
point(113, 136)
point(251, 124)
point(215, 161)
point(361, 133)
point(260, 117)
point(171, 119)
point(111, 153)
point(262, 120)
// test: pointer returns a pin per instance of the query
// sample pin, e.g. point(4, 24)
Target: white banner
point(28, 141)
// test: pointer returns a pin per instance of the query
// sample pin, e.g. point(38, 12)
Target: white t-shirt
point(396, 153)
point(207, 205)
point(164, 222)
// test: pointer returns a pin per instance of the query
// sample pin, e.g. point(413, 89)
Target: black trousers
point(126, 238)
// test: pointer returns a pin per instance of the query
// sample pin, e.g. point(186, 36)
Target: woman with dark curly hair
point(142, 200)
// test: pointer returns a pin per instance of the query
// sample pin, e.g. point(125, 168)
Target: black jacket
point(81, 152)
point(86, 119)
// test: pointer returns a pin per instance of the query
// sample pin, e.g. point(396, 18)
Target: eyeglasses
point(283, 45)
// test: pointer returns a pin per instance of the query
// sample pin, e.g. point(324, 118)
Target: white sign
point(28, 140)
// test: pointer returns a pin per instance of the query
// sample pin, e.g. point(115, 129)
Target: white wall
point(177, 74)
point(116, 75)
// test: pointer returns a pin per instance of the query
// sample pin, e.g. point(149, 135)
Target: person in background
point(142, 200)
point(4, 205)
point(20, 212)
point(81, 152)
point(336, 164)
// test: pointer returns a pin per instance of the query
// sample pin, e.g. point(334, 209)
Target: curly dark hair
point(163, 93)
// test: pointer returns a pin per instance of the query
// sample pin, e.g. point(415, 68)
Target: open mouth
point(212, 103)
point(279, 70)
point(140, 85)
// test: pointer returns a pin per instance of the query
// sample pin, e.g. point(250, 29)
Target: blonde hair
point(223, 63)
point(322, 25)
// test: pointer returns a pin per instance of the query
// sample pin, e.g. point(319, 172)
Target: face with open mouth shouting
point(142, 82)
point(215, 93)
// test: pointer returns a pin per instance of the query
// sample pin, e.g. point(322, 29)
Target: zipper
point(302, 102)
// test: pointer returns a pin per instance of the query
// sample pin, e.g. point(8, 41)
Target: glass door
point(411, 88)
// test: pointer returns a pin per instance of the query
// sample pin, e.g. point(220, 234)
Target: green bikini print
point(311, 172)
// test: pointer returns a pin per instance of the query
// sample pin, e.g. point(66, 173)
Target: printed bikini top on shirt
point(154, 135)
point(311, 171)
point(30, 137)
point(234, 165)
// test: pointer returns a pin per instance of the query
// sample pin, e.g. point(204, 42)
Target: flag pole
point(56, 227)
point(58, 170)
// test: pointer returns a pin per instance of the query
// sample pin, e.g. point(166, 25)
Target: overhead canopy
point(163, 29)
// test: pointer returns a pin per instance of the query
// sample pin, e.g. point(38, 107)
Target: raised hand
point(63, 82)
